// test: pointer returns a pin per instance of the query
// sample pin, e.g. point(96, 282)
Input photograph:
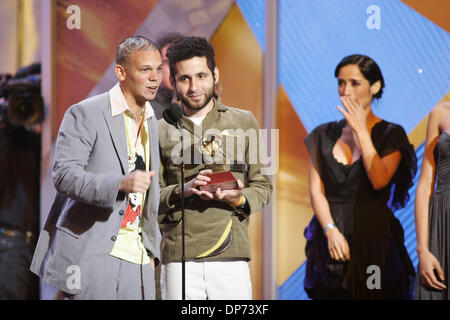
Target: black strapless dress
point(364, 216)
point(439, 221)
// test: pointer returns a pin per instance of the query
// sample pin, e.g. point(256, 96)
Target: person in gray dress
point(432, 209)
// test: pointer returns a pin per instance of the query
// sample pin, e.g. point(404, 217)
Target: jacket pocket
point(78, 218)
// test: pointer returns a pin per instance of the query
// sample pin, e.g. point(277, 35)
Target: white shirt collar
point(119, 104)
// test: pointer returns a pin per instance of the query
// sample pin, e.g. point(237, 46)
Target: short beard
point(189, 106)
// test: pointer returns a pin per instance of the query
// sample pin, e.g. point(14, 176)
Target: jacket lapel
point(210, 122)
point(152, 126)
point(116, 128)
point(213, 117)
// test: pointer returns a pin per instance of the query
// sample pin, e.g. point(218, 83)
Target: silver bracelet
point(329, 226)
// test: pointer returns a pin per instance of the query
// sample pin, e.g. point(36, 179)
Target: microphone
point(175, 111)
point(173, 114)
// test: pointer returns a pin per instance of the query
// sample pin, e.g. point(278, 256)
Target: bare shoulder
point(440, 110)
point(440, 117)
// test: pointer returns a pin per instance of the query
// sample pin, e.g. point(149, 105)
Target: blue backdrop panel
point(412, 52)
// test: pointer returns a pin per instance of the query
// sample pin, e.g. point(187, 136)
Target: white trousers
point(207, 280)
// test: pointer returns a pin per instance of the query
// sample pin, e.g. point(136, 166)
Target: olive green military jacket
point(213, 230)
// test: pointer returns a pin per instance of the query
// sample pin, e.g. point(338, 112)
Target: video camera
point(21, 101)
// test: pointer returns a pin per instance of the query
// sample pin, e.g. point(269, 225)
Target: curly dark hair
point(187, 48)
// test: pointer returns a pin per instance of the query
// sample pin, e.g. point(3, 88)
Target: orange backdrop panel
point(435, 10)
point(82, 56)
point(239, 59)
point(293, 207)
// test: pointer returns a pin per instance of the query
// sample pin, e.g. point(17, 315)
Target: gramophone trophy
point(222, 178)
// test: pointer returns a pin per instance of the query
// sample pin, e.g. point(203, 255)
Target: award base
point(223, 180)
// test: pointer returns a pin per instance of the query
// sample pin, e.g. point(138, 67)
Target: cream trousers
point(207, 280)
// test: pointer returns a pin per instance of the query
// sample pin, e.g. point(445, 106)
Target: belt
point(17, 234)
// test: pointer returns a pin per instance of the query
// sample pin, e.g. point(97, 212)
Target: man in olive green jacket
point(217, 247)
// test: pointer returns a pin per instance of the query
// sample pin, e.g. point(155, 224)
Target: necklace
point(138, 115)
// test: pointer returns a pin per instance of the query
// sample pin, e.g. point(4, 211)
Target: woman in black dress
point(360, 170)
point(432, 209)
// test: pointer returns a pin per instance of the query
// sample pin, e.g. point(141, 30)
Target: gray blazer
point(90, 160)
